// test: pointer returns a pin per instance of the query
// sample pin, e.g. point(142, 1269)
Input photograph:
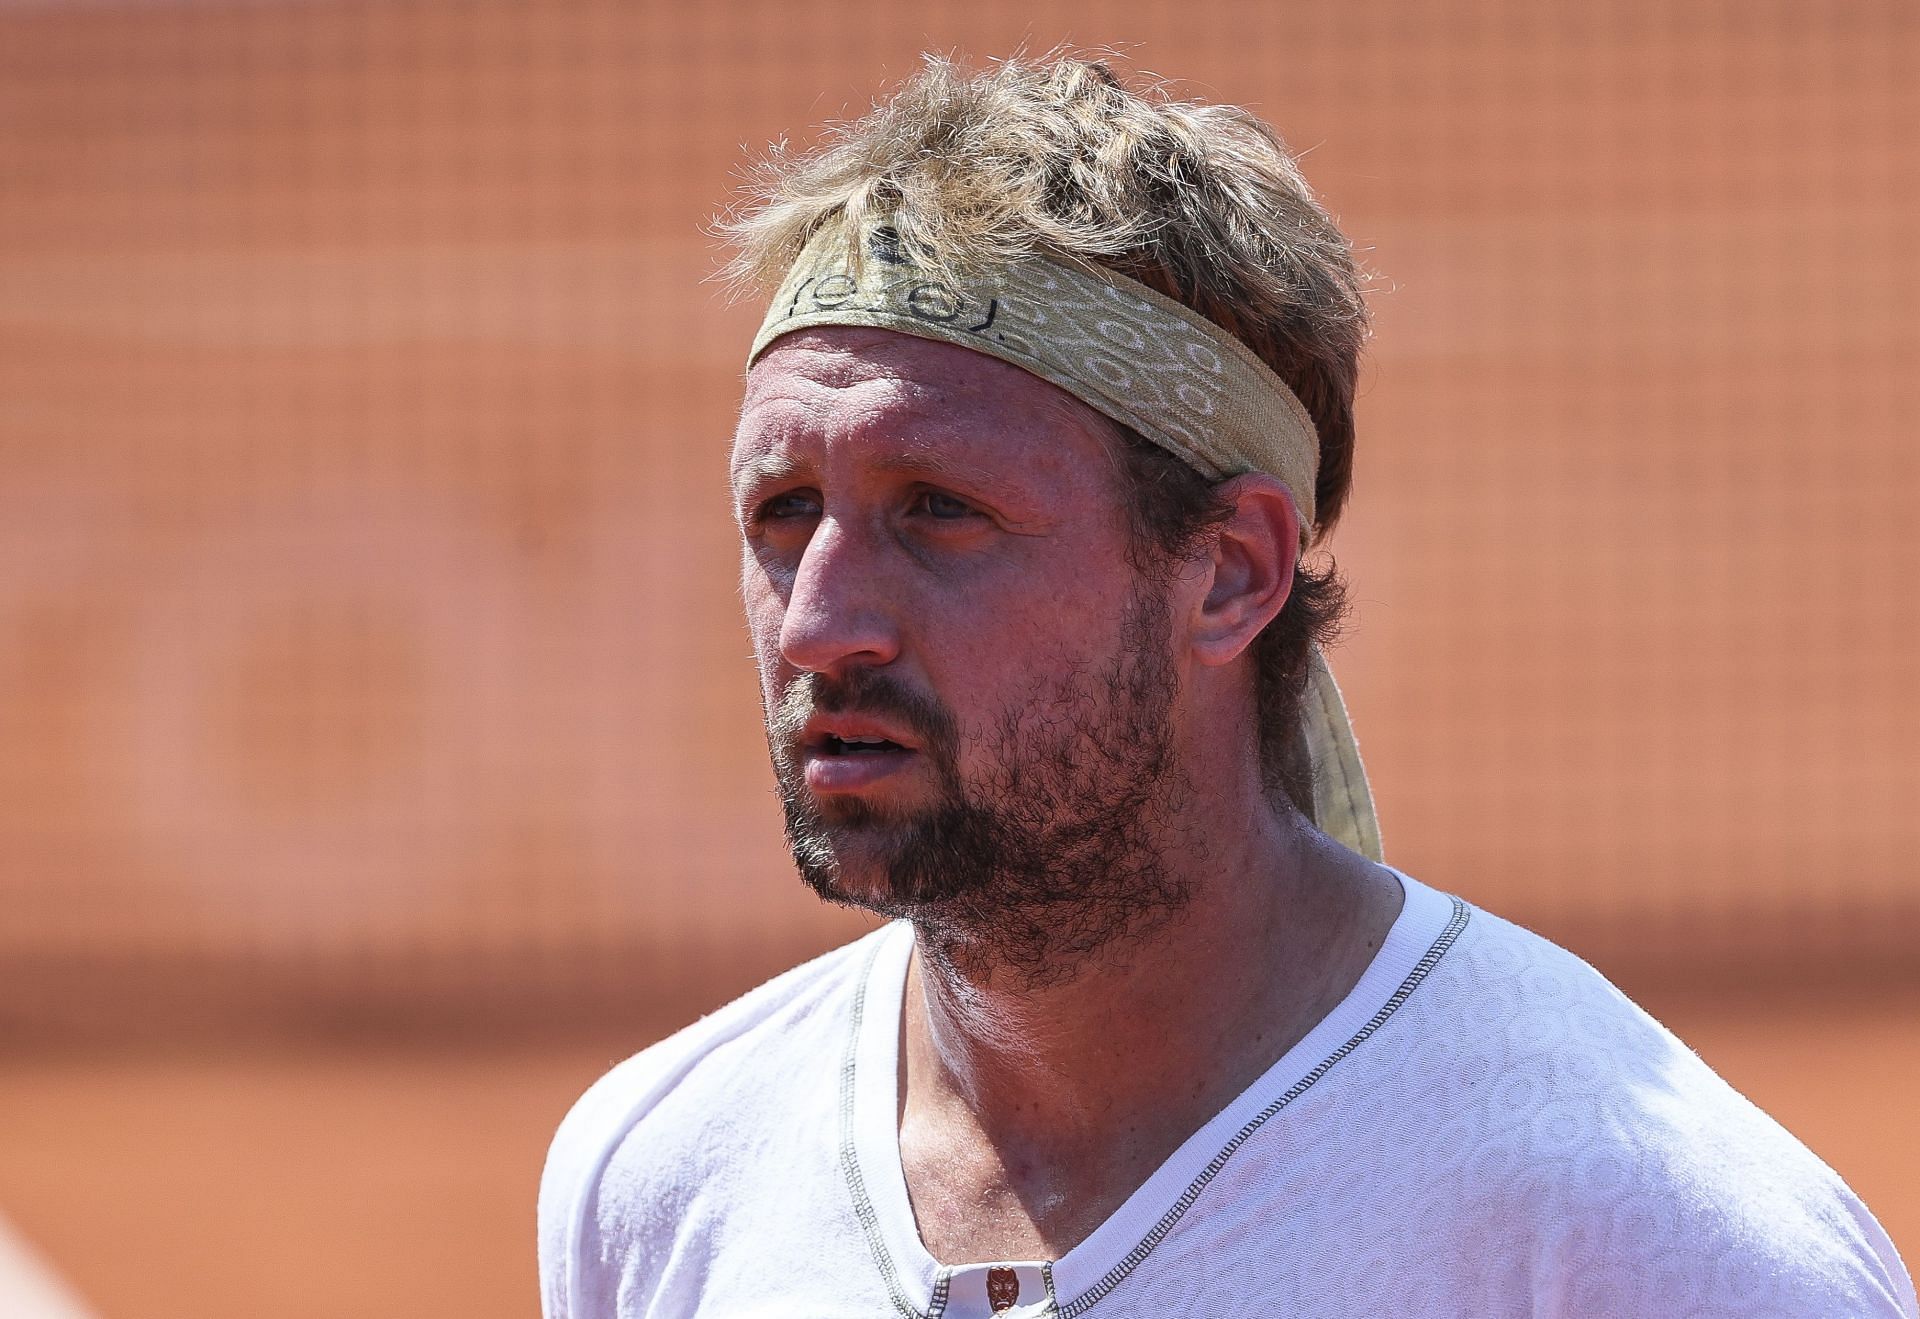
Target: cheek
point(1067, 611)
point(765, 616)
point(1014, 663)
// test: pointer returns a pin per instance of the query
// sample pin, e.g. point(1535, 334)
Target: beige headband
point(1124, 350)
point(1130, 354)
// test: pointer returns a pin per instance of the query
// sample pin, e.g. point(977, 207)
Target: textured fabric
point(1113, 343)
point(1483, 1128)
point(1342, 797)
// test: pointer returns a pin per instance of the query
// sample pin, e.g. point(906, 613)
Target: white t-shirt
point(1484, 1127)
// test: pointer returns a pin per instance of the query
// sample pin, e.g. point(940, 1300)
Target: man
point(1052, 399)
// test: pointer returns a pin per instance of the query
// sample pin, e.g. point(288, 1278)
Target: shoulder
point(1641, 1181)
point(658, 1119)
point(734, 1038)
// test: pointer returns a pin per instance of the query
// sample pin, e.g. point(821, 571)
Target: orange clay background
point(379, 747)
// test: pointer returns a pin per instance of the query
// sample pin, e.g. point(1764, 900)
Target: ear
point(1252, 560)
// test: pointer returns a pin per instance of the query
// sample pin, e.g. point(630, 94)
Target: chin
point(869, 894)
point(840, 866)
point(868, 888)
point(891, 861)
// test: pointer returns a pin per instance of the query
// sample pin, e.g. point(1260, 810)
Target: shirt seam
point(870, 1219)
point(1158, 1232)
point(863, 1208)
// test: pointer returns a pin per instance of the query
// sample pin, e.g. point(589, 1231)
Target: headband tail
point(1342, 800)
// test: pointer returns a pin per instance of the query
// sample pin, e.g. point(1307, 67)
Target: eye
point(942, 506)
point(788, 506)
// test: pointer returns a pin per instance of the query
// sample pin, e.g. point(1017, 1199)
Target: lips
point(851, 735)
point(846, 753)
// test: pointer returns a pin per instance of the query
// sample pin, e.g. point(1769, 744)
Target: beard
point(1052, 852)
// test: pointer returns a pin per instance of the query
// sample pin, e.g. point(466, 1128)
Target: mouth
point(848, 759)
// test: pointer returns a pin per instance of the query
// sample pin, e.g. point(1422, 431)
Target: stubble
point(1053, 855)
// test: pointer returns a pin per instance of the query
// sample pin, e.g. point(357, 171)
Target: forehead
point(855, 391)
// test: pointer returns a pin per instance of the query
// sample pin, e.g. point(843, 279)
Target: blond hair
point(1056, 157)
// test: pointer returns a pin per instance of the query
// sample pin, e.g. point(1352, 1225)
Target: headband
point(1121, 348)
point(1130, 354)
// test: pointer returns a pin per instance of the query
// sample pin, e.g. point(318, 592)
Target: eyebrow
point(766, 467)
point(910, 462)
point(932, 462)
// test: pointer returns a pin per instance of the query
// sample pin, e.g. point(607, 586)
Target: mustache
point(861, 691)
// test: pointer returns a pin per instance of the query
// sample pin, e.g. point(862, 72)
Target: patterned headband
point(1116, 345)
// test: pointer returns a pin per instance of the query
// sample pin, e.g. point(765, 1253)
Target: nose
point(839, 611)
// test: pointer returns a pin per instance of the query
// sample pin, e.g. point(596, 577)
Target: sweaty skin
point(952, 521)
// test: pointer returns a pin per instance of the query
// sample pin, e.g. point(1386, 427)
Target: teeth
point(860, 743)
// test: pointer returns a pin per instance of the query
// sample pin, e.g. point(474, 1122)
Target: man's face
point(970, 689)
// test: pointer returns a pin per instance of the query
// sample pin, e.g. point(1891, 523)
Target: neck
point(1074, 1086)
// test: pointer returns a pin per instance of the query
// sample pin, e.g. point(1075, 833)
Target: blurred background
point(379, 747)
